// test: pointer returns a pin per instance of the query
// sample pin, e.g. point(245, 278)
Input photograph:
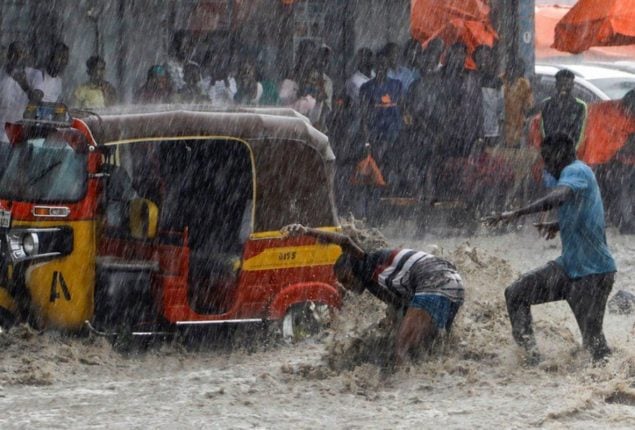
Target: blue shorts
point(441, 309)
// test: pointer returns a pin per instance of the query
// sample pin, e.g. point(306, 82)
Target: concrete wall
point(380, 21)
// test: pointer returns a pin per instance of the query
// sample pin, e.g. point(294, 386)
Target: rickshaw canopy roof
point(292, 161)
point(164, 121)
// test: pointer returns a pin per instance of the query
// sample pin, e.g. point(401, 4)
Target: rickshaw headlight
point(30, 244)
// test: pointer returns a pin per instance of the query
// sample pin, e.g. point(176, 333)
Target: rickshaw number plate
point(5, 218)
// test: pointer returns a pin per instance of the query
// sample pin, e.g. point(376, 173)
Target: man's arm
point(342, 240)
point(364, 108)
point(554, 199)
point(581, 117)
point(34, 94)
point(548, 230)
point(537, 108)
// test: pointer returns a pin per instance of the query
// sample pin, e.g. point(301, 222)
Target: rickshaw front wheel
point(304, 320)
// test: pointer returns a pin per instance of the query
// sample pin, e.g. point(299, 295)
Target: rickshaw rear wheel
point(304, 320)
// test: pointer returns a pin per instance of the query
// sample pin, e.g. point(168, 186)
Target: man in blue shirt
point(380, 106)
point(583, 275)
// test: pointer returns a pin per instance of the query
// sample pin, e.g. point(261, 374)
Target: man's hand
point(504, 217)
point(548, 230)
point(293, 230)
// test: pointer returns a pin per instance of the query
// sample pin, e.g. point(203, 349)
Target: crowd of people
point(437, 122)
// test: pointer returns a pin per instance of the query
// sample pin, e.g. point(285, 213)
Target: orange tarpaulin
point(547, 17)
point(429, 16)
point(471, 33)
point(596, 23)
point(452, 20)
point(607, 130)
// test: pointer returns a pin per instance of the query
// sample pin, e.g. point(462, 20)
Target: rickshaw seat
point(213, 281)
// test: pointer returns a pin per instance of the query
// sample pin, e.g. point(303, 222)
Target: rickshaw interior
point(204, 192)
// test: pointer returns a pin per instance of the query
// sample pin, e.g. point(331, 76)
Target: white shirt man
point(355, 82)
point(49, 85)
point(221, 93)
point(13, 101)
point(175, 69)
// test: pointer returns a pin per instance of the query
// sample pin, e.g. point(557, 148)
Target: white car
point(624, 65)
point(593, 83)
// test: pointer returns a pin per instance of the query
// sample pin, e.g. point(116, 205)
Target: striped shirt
point(403, 273)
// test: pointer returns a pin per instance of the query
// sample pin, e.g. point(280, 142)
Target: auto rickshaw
point(168, 217)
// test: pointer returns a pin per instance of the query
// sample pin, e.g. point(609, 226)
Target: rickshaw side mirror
point(144, 219)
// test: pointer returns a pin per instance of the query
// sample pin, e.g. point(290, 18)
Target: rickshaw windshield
point(44, 170)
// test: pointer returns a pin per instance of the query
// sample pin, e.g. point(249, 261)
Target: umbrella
point(471, 33)
point(429, 16)
point(465, 21)
point(596, 23)
point(546, 19)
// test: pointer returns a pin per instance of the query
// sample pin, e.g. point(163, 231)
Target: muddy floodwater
point(477, 381)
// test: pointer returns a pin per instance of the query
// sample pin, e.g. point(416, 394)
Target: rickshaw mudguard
point(62, 289)
point(298, 268)
point(302, 292)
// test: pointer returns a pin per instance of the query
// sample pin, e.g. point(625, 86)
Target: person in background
point(363, 74)
point(583, 275)
point(407, 71)
point(431, 60)
point(249, 90)
point(305, 58)
point(380, 108)
point(458, 117)
point(518, 102)
point(457, 124)
point(323, 63)
point(15, 89)
point(420, 102)
point(492, 92)
point(562, 112)
point(157, 88)
point(181, 53)
point(48, 80)
point(420, 98)
point(191, 91)
point(97, 92)
point(312, 97)
point(518, 154)
point(347, 124)
point(268, 80)
point(424, 290)
point(218, 83)
point(343, 127)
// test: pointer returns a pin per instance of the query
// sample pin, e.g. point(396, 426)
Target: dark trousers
point(586, 296)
